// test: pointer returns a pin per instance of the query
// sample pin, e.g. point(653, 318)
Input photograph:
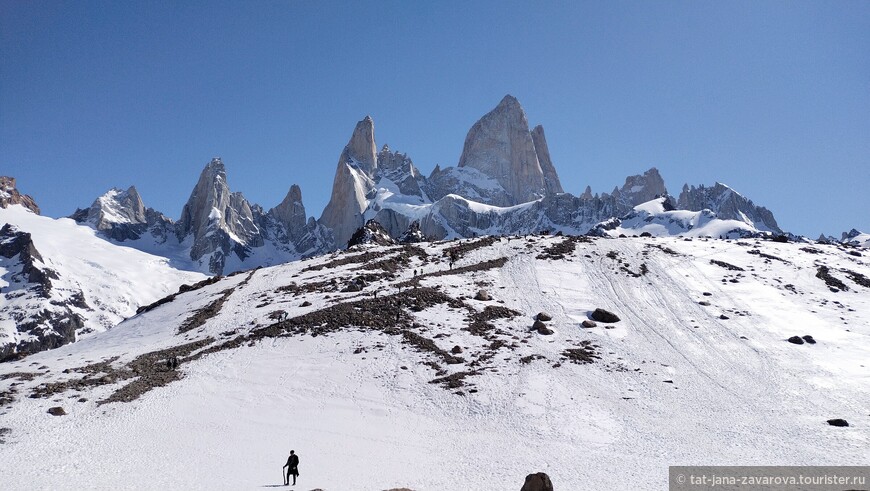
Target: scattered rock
point(546, 331)
point(537, 482)
point(809, 339)
point(838, 422)
point(543, 316)
point(602, 315)
point(795, 340)
point(305, 304)
point(56, 411)
point(538, 325)
point(724, 317)
point(704, 303)
point(482, 295)
point(588, 324)
point(610, 327)
point(456, 350)
point(707, 294)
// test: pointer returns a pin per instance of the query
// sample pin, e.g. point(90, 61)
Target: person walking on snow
point(292, 466)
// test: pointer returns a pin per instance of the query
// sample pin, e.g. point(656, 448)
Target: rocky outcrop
point(352, 184)
point(727, 204)
point(501, 147)
point(370, 233)
point(291, 212)
point(9, 195)
point(413, 234)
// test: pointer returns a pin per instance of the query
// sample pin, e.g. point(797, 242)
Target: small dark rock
point(809, 339)
point(482, 295)
point(724, 317)
point(588, 323)
point(546, 331)
point(56, 411)
point(704, 303)
point(456, 350)
point(538, 325)
point(707, 294)
point(838, 422)
point(795, 340)
point(305, 304)
point(543, 316)
point(602, 315)
point(610, 327)
point(537, 482)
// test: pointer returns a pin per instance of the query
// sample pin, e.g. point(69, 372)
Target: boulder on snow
point(796, 340)
point(588, 323)
point(456, 350)
point(482, 295)
point(809, 339)
point(537, 482)
point(606, 316)
point(543, 316)
point(56, 411)
point(544, 330)
point(838, 422)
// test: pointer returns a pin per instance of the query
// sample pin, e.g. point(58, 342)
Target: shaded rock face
point(352, 184)
point(15, 244)
point(501, 146)
point(9, 195)
point(27, 277)
point(727, 204)
point(605, 316)
point(642, 188)
point(399, 169)
point(537, 482)
point(291, 212)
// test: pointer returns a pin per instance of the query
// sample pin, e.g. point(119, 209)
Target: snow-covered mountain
point(659, 218)
point(219, 231)
point(388, 367)
point(61, 282)
point(505, 183)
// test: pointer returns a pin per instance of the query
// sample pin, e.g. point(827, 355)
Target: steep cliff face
point(501, 147)
point(352, 184)
point(551, 178)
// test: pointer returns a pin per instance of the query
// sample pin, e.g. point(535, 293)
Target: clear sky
point(769, 97)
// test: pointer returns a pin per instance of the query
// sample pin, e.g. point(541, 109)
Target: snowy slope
point(676, 382)
point(656, 219)
point(113, 281)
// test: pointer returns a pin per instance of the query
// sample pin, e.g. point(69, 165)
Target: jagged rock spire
point(353, 181)
point(551, 178)
point(219, 221)
point(501, 146)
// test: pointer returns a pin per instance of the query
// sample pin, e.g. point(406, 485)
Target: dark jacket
point(293, 464)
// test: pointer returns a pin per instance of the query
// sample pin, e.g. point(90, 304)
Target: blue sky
point(771, 98)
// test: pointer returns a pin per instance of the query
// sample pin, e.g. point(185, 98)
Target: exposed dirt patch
point(728, 266)
point(346, 258)
point(858, 278)
point(582, 355)
point(756, 252)
point(563, 248)
point(824, 273)
point(464, 247)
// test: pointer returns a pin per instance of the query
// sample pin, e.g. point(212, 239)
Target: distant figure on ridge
point(292, 466)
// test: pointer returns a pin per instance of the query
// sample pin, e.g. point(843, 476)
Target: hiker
point(292, 466)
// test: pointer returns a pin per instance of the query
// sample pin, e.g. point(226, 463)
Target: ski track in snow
point(360, 421)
